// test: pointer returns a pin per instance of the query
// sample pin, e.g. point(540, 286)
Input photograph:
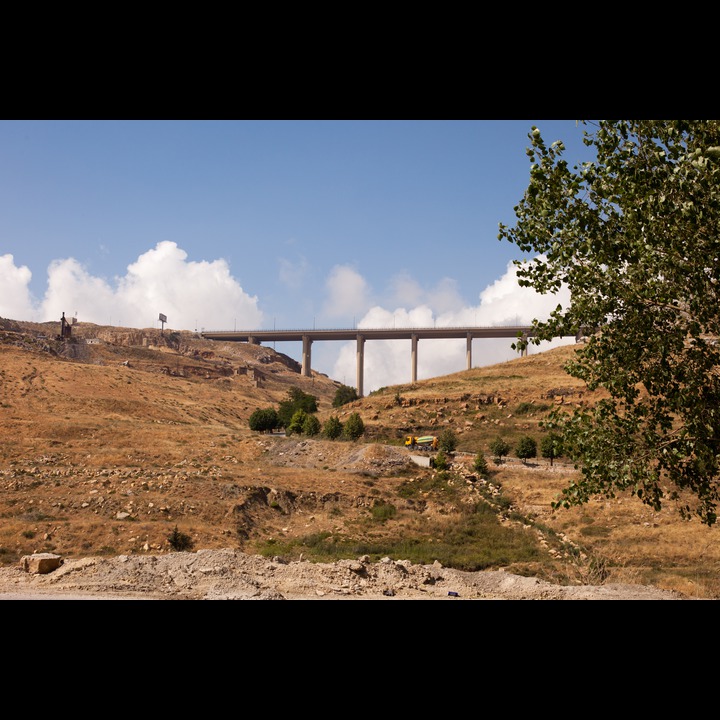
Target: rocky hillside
point(115, 437)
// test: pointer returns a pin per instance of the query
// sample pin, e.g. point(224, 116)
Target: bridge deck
point(472, 332)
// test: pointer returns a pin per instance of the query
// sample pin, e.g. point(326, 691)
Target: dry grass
point(634, 543)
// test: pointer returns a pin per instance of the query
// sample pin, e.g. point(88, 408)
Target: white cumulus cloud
point(16, 301)
point(162, 280)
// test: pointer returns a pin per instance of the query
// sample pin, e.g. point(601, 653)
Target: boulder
point(40, 563)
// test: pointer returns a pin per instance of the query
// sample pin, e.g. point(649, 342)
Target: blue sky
point(262, 224)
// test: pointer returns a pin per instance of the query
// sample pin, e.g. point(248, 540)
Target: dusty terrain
point(110, 441)
point(234, 575)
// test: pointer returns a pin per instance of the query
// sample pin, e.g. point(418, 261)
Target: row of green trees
point(296, 414)
point(526, 447)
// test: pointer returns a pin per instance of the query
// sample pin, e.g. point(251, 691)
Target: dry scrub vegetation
point(108, 446)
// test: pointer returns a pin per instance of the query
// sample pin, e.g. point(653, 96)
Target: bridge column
point(413, 354)
point(307, 342)
point(360, 354)
point(468, 351)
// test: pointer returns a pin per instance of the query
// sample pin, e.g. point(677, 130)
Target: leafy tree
point(297, 422)
point(447, 440)
point(311, 426)
point(526, 448)
point(332, 428)
point(264, 420)
point(344, 395)
point(499, 447)
point(551, 446)
point(296, 400)
point(354, 427)
point(480, 464)
point(632, 235)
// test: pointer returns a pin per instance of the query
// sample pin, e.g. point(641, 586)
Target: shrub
point(179, 541)
point(296, 400)
point(332, 428)
point(447, 440)
point(264, 420)
point(440, 461)
point(480, 464)
point(525, 408)
point(344, 395)
point(311, 426)
point(383, 511)
point(354, 426)
point(296, 422)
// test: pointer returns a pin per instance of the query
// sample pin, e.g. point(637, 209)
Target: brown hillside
point(112, 438)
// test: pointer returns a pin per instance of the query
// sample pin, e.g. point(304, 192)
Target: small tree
point(344, 395)
point(296, 422)
point(526, 448)
point(179, 541)
point(264, 420)
point(332, 428)
point(440, 461)
point(311, 426)
point(551, 446)
point(499, 447)
point(354, 427)
point(447, 440)
point(296, 400)
point(480, 464)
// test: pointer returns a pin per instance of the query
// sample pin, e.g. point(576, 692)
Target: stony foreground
point(233, 575)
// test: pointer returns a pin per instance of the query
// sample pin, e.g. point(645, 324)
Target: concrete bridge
point(360, 335)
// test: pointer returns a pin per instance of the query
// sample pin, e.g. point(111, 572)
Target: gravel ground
point(233, 575)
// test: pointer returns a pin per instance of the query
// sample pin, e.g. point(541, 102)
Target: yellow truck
point(424, 442)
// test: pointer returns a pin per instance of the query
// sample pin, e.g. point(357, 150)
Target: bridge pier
point(413, 357)
point(307, 343)
point(360, 363)
point(468, 351)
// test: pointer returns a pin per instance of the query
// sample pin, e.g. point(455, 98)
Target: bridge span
point(360, 335)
